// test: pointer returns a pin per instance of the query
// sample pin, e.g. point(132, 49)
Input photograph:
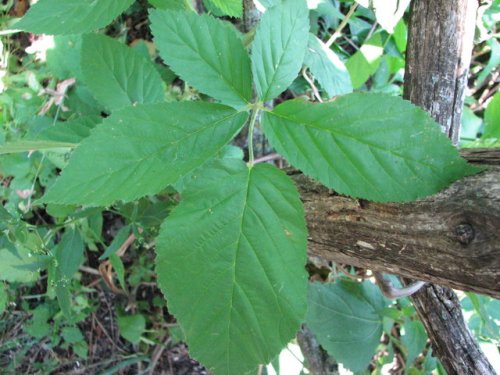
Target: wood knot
point(465, 233)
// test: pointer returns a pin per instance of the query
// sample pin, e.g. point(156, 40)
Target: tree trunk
point(440, 41)
point(451, 238)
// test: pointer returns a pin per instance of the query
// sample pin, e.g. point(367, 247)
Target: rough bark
point(251, 15)
point(438, 57)
point(452, 238)
point(439, 309)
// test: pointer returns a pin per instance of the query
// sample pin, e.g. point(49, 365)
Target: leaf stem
point(251, 127)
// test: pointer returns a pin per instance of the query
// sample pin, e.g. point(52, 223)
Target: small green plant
point(230, 257)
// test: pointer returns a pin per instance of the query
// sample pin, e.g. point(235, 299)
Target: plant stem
point(337, 32)
point(251, 128)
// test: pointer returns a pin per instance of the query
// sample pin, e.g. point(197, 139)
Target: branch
point(452, 238)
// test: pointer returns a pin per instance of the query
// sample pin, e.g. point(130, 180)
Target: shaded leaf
point(73, 131)
point(17, 264)
point(230, 261)
point(70, 16)
point(68, 255)
point(492, 118)
point(346, 319)
point(327, 68)
point(131, 327)
point(366, 61)
point(4, 298)
point(414, 340)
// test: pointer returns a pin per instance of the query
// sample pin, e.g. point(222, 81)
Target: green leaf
point(4, 298)
point(17, 264)
point(72, 335)
point(232, 8)
point(119, 268)
point(63, 59)
point(414, 340)
point(68, 256)
point(387, 12)
point(346, 319)
point(38, 326)
point(172, 4)
point(230, 261)
point(471, 125)
point(371, 146)
point(493, 61)
point(140, 150)
point(492, 118)
point(73, 131)
point(269, 3)
point(118, 241)
point(279, 47)
point(401, 36)
point(117, 75)
point(205, 52)
point(131, 327)
point(483, 143)
point(29, 145)
point(70, 16)
point(327, 68)
point(366, 61)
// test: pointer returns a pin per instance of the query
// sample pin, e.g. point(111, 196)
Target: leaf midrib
point(214, 69)
point(335, 132)
point(273, 78)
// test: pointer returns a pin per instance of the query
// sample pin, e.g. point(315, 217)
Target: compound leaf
point(117, 75)
point(71, 16)
point(346, 319)
point(205, 52)
point(140, 150)
point(279, 47)
point(230, 261)
point(371, 146)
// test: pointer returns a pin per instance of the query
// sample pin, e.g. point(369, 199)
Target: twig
point(312, 85)
point(343, 24)
point(89, 270)
point(158, 351)
point(269, 157)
